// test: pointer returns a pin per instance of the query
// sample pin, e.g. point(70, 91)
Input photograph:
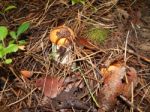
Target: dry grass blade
point(91, 94)
point(22, 98)
point(130, 104)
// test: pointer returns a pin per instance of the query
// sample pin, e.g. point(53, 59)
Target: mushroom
point(62, 38)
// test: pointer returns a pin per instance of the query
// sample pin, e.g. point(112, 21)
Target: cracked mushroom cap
point(62, 35)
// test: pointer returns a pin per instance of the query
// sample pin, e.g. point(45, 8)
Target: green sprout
point(13, 44)
point(7, 9)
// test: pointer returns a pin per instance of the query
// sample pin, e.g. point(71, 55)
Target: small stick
point(135, 54)
point(130, 103)
point(12, 70)
point(1, 95)
point(125, 54)
point(22, 98)
point(93, 98)
point(132, 96)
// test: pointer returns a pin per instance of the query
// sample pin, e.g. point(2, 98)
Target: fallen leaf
point(26, 73)
point(21, 48)
point(52, 86)
point(115, 85)
point(85, 43)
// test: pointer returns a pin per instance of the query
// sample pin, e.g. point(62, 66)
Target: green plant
point(77, 1)
point(13, 44)
point(7, 9)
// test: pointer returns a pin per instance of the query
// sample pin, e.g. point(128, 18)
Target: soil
point(128, 22)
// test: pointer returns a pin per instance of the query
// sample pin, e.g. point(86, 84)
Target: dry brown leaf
point(52, 86)
point(26, 73)
point(115, 85)
point(21, 48)
point(84, 42)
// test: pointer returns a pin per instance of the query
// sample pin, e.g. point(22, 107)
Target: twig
point(125, 54)
point(146, 92)
point(135, 54)
point(126, 45)
point(43, 16)
point(100, 24)
point(12, 70)
point(83, 58)
point(134, 30)
point(132, 96)
point(93, 98)
point(130, 104)
point(1, 95)
point(22, 98)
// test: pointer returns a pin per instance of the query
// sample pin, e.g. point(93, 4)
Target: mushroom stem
point(62, 55)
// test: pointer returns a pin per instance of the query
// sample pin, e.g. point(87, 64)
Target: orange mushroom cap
point(61, 35)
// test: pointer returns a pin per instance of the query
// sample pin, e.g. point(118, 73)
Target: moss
point(98, 35)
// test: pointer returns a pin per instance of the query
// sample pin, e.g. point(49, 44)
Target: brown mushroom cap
point(61, 35)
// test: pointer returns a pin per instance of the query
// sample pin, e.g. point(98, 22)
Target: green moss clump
point(97, 34)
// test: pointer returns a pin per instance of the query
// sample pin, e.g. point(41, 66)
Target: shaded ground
point(118, 17)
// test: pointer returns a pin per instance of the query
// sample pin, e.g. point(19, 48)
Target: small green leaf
point(1, 51)
point(83, 2)
point(8, 61)
point(1, 13)
point(77, 1)
point(22, 28)
point(73, 2)
point(1, 54)
point(11, 48)
point(13, 35)
point(22, 42)
point(1, 46)
point(3, 32)
point(10, 8)
point(11, 42)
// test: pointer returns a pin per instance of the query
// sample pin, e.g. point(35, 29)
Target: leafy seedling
point(7, 9)
point(13, 44)
point(21, 29)
point(3, 32)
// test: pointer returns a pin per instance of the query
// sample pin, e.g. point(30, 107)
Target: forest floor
point(108, 74)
